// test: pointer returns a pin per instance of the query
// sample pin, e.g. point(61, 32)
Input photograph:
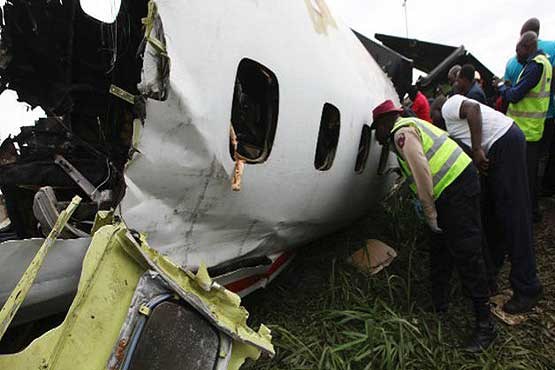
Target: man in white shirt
point(498, 149)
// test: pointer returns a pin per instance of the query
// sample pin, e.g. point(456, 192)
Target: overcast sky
point(489, 29)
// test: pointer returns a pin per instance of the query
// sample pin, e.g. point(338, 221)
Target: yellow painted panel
point(87, 336)
point(112, 268)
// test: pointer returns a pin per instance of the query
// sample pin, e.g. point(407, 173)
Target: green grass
point(326, 315)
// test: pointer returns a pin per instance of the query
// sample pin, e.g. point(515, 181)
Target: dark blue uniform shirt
point(530, 77)
point(476, 93)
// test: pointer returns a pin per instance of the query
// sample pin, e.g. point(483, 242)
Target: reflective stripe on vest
point(446, 159)
point(530, 112)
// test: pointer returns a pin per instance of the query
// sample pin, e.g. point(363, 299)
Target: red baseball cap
point(384, 108)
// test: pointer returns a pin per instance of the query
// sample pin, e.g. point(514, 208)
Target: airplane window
point(363, 149)
point(254, 113)
point(328, 138)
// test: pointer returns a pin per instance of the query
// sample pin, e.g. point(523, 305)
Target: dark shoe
point(483, 336)
point(521, 304)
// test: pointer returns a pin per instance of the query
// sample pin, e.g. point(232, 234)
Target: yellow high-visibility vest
point(446, 159)
point(530, 112)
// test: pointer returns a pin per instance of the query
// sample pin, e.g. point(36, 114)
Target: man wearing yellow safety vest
point(446, 182)
point(529, 103)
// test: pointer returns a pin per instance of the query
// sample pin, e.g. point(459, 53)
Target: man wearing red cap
point(446, 182)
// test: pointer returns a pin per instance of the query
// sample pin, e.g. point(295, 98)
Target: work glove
point(418, 209)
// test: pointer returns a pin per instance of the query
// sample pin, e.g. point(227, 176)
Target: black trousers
point(460, 244)
point(507, 216)
point(548, 148)
point(533, 153)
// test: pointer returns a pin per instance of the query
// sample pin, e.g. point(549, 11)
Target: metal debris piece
point(46, 212)
point(20, 292)
point(97, 326)
point(373, 258)
point(237, 175)
point(497, 309)
point(100, 197)
point(122, 94)
point(239, 161)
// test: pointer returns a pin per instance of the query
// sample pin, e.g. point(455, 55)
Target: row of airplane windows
point(254, 116)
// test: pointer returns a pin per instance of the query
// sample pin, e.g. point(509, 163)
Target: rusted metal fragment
point(237, 175)
point(119, 352)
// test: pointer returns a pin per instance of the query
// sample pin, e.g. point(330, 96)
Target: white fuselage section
point(179, 182)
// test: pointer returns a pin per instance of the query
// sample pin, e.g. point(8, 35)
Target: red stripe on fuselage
point(244, 283)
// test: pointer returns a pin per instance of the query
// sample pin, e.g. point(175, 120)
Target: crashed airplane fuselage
point(159, 113)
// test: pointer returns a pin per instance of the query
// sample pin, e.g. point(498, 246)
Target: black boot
point(521, 304)
point(483, 336)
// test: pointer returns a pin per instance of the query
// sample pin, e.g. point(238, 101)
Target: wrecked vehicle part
point(106, 301)
point(162, 340)
point(56, 282)
point(155, 74)
point(213, 301)
point(16, 298)
point(65, 62)
point(153, 311)
point(46, 212)
point(181, 195)
point(177, 166)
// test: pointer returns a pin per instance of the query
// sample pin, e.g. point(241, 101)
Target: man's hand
point(432, 223)
point(480, 160)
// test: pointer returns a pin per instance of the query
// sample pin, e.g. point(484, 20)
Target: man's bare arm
point(472, 113)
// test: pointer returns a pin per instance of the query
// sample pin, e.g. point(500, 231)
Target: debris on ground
point(373, 258)
point(497, 309)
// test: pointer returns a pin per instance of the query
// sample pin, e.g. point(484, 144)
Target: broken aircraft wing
point(436, 60)
point(398, 67)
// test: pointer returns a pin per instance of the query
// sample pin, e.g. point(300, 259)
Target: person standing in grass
point(446, 182)
point(528, 105)
point(498, 149)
